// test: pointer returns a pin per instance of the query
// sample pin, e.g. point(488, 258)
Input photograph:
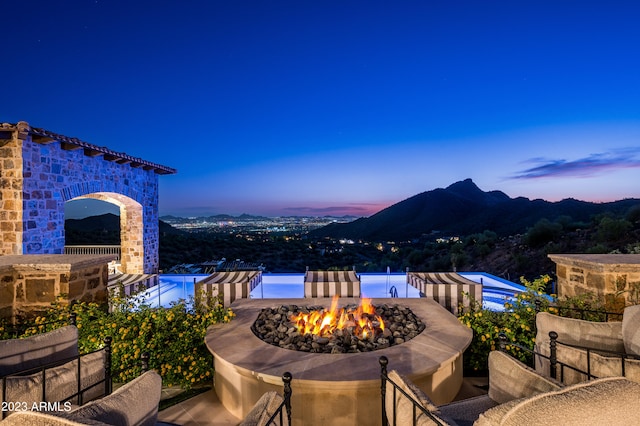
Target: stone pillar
point(11, 182)
point(613, 276)
point(29, 283)
point(151, 223)
point(131, 240)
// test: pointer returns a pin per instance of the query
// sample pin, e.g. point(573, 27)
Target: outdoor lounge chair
point(134, 403)
point(48, 368)
point(44, 380)
point(509, 379)
point(590, 349)
point(517, 395)
point(272, 409)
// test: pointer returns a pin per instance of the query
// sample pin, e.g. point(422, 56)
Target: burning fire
point(361, 321)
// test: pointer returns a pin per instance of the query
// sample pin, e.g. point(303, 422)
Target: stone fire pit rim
point(443, 339)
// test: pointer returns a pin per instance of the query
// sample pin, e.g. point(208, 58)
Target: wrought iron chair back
point(285, 405)
point(78, 395)
point(417, 408)
point(554, 342)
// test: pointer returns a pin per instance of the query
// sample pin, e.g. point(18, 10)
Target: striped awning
point(446, 288)
point(442, 278)
point(128, 279)
point(331, 276)
point(331, 283)
point(234, 277)
point(232, 284)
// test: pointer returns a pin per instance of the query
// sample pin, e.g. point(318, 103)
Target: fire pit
point(334, 388)
point(350, 329)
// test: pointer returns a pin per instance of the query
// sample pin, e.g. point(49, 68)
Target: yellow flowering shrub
point(516, 321)
point(174, 336)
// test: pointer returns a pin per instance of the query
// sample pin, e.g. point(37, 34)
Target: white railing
point(115, 250)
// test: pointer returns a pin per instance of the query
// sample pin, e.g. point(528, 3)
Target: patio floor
point(206, 410)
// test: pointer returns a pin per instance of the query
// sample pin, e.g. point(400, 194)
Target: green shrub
point(174, 336)
point(542, 232)
point(517, 321)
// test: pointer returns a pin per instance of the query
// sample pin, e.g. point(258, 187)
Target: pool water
point(282, 286)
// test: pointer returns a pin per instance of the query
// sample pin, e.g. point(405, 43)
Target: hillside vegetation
point(456, 235)
point(509, 257)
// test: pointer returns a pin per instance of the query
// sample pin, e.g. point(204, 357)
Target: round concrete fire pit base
point(335, 389)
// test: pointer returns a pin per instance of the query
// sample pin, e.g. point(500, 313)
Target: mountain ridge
point(462, 209)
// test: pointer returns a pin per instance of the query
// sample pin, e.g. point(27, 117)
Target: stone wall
point(11, 190)
point(38, 177)
point(616, 275)
point(29, 283)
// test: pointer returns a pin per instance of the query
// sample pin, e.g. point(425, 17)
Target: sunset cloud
point(593, 165)
point(331, 211)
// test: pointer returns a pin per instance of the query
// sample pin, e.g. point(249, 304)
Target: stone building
point(42, 170)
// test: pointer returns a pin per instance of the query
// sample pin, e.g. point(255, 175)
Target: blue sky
point(337, 107)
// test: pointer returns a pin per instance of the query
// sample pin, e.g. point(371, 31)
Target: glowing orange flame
point(362, 321)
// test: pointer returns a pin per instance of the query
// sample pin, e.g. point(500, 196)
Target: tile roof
point(43, 136)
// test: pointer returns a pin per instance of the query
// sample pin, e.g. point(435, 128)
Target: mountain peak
point(468, 190)
point(464, 186)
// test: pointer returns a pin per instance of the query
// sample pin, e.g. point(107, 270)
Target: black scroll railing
point(80, 391)
point(417, 408)
point(555, 364)
point(78, 395)
point(583, 313)
point(589, 352)
point(285, 405)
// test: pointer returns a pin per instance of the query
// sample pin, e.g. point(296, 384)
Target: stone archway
point(131, 229)
point(42, 170)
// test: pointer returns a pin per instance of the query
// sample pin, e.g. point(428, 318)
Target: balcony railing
point(88, 249)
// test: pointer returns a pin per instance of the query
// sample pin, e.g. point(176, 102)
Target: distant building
point(212, 266)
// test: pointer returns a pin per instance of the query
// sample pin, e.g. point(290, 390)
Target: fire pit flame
point(361, 321)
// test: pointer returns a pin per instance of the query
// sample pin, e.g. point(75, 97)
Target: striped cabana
point(233, 285)
point(446, 288)
point(331, 283)
point(132, 283)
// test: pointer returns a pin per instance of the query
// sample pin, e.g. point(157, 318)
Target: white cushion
point(603, 401)
point(61, 382)
point(262, 411)
point(135, 403)
point(510, 379)
point(631, 329)
point(35, 351)
point(402, 407)
point(35, 418)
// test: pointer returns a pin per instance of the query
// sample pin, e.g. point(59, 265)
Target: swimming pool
point(276, 286)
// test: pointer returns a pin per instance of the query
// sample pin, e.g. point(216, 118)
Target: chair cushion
point(597, 335)
point(611, 400)
point(599, 364)
point(134, 403)
point(603, 365)
point(35, 351)
point(466, 411)
point(35, 418)
point(402, 406)
point(631, 329)
point(493, 416)
point(510, 379)
point(61, 382)
point(264, 409)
